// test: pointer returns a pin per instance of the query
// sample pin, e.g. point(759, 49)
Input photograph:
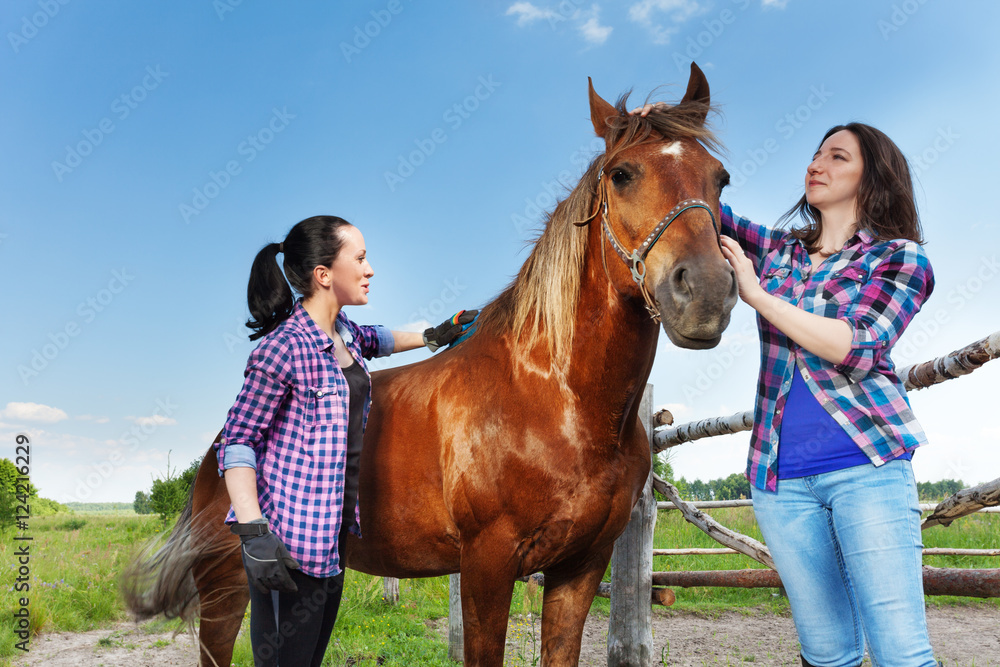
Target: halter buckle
point(638, 263)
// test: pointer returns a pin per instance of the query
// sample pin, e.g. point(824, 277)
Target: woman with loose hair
point(833, 490)
point(290, 449)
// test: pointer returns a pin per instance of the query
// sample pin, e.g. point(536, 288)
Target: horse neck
point(614, 343)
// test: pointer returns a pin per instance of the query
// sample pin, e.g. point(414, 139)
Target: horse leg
point(222, 611)
point(487, 579)
point(569, 591)
point(218, 572)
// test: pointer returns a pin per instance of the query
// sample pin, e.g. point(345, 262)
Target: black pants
point(293, 629)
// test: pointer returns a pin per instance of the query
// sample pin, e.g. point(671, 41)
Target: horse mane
point(543, 297)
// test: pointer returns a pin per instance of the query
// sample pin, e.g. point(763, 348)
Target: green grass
point(673, 532)
point(76, 562)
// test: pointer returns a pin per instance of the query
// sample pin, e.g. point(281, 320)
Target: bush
point(141, 504)
point(169, 495)
point(72, 524)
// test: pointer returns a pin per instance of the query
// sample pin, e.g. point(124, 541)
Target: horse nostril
point(734, 287)
point(681, 288)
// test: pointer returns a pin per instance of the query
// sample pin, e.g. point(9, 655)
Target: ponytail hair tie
point(281, 247)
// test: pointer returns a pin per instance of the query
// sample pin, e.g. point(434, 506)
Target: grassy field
point(76, 561)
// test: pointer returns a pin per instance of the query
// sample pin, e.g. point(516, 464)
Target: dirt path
point(962, 637)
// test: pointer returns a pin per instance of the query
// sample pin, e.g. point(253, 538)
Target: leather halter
point(637, 260)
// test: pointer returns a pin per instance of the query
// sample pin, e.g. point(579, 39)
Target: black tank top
point(359, 384)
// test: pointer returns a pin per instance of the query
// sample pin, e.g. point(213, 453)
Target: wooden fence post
point(390, 590)
point(630, 627)
point(456, 638)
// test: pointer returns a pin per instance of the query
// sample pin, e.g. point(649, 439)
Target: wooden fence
point(635, 586)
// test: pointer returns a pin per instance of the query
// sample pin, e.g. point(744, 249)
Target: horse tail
point(160, 579)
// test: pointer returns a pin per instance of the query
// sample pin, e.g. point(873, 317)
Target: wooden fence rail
point(720, 504)
point(929, 551)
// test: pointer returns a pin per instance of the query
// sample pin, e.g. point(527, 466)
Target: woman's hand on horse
point(645, 109)
point(448, 331)
point(746, 277)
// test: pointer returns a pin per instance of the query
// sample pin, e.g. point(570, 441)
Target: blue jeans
point(847, 547)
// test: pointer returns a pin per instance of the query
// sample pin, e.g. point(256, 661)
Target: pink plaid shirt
point(289, 422)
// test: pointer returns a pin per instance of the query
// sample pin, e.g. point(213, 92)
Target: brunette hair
point(886, 207)
point(315, 241)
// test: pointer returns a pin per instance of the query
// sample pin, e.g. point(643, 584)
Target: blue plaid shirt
point(877, 288)
point(289, 422)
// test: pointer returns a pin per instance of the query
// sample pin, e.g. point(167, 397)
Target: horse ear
point(697, 90)
point(600, 111)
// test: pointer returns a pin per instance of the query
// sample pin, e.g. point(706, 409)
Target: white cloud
point(417, 326)
point(679, 10)
point(527, 13)
point(649, 14)
point(594, 32)
point(152, 420)
point(586, 22)
point(92, 418)
point(35, 412)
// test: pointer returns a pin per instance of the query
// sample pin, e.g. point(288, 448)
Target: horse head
point(657, 197)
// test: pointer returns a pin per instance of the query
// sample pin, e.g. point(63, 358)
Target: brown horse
point(520, 450)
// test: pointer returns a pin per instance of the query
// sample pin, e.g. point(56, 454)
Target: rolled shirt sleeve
point(386, 341)
point(888, 301)
point(239, 456)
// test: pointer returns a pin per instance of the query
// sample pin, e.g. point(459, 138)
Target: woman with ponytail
point(291, 446)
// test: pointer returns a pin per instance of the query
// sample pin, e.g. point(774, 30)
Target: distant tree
point(734, 487)
point(951, 487)
point(86, 508)
point(699, 490)
point(45, 507)
point(141, 504)
point(169, 495)
point(9, 476)
point(191, 473)
point(664, 469)
point(934, 491)
point(682, 488)
point(6, 509)
point(9, 497)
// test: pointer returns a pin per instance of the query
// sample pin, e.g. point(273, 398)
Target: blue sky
point(151, 149)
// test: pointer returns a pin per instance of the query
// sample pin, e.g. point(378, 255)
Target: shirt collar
point(864, 236)
point(310, 328)
point(861, 236)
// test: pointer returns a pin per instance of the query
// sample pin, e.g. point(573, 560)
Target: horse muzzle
point(695, 300)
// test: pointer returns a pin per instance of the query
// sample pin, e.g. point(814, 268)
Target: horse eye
point(723, 180)
point(619, 177)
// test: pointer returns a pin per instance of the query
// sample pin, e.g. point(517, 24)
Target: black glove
point(449, 330)
point(265, 558)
